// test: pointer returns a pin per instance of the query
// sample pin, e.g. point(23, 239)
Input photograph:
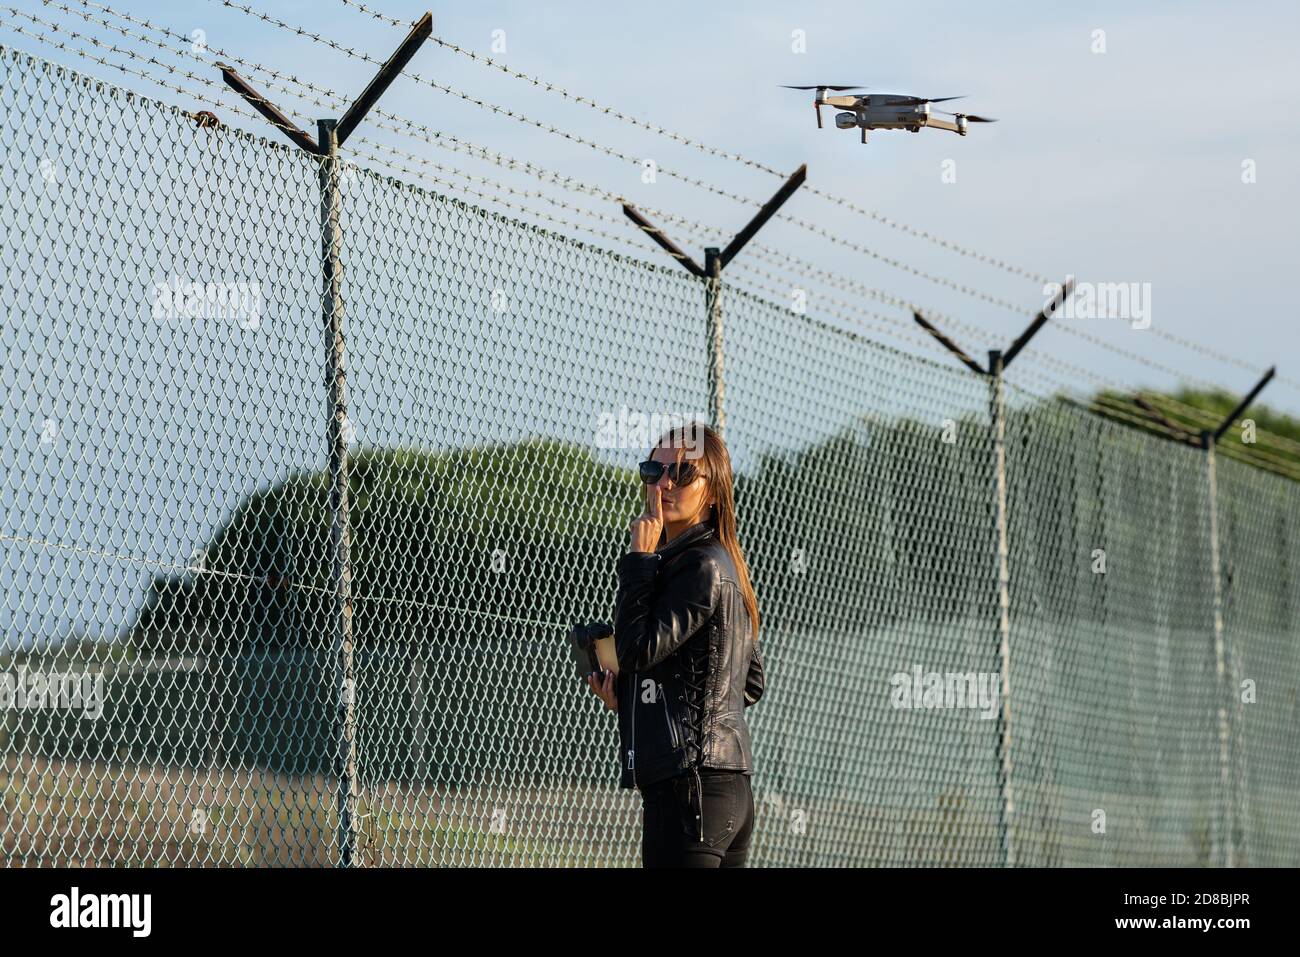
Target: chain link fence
point(175, 687)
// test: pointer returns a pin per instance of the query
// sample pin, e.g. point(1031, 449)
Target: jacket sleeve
point(656, 613)
point(754, 681)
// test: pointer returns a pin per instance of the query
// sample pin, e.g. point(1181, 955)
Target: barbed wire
point(1041, 376)
point(1273, 439)
point(130, 54)
point(1256, 457)
point(684, 140)
point(856, 315)
point(861, 319)
point(806, 225)
point(605, 109)
point(334, 100)
point(805, 267)
point(1207, 418)
point(1111, 408)
point(121, 51)
point(481, 151)
point(569, 182)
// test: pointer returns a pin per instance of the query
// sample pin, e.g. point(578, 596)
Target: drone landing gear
point(864, 134)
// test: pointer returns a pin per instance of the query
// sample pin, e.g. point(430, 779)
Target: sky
point(1118, 156)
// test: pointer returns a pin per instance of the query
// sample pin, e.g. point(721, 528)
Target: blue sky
point(1122, 166)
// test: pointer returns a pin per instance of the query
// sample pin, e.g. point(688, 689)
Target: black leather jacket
point(688, 662)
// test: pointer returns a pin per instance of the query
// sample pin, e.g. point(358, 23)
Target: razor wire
point(170, 667)
point(420, 131)
point(837, 200)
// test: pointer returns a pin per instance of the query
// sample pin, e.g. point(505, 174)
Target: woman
point(686, 630)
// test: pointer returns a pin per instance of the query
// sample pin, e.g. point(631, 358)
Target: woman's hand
point(647, 527)
point(603, 689)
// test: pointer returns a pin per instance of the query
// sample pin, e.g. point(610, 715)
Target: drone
point(888, 111)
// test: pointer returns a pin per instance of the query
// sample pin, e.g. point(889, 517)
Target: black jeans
point(670, 831)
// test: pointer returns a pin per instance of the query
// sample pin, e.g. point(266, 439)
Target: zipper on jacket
point(631, 752)
point(672, 731)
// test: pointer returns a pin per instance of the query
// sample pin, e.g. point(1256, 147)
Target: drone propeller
point(817, 103)
point(917, 100)
point(971, 117)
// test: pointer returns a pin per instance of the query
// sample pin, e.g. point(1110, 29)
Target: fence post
point(998, 362)
point(330, 136)
point(997, 424)
point(340, 530)
point(1229, 752)
point(713, 306)
point(715, 260)
point(1231, 763)
point(1223, 829)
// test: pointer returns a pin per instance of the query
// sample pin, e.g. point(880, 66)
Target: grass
point(97, 814)
point(115, 814)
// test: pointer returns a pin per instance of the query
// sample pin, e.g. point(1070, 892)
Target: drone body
point(889, 111)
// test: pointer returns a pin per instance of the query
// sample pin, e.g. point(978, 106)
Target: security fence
point(181, 687)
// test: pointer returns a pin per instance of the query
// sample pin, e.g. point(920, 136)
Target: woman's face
point(686, 505)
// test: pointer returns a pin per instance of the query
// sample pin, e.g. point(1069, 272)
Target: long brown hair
point(716, 465)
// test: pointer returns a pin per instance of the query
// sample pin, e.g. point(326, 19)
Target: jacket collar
point(698, 533)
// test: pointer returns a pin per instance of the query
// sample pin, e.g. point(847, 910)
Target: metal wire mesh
point(167, 552)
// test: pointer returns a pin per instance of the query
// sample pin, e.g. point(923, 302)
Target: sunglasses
point(681, 473)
